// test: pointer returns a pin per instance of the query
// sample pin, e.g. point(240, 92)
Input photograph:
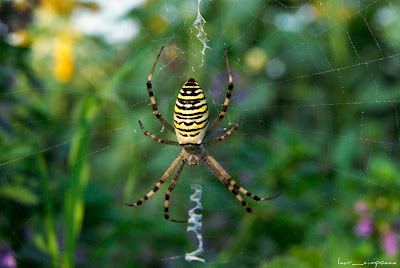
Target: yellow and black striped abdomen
point(191, 114)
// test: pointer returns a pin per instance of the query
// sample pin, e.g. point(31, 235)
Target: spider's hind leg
point(170, 188)
point(253, 196)
point(158, 184)
point(224, 177)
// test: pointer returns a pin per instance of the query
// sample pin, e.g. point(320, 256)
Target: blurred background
point(317, 83)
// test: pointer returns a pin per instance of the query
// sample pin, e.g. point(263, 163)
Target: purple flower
point(245, 176)
point(7, 259)
point(26, 232)
point(219, 221)
point(365, 227)
point(397, 226)
point(219, 85)
point(361, 208)
point(389, 243)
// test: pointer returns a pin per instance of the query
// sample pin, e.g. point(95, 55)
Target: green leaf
point(19, 194)
point(286, 261)
point(312, 257)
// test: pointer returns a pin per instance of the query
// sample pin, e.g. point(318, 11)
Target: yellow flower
point(64, 7)
point(171, 53)
point(256, 59)
point(63, 58)
point(19, 38)
point(21, 5)
point(381, 202)
point(158, 24)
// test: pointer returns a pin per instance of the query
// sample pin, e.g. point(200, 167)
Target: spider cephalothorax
point(191, 126)
point(193, 153)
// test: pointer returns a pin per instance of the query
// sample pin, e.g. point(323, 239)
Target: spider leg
point(224, 177)
point(153, 100)
point(157, 139)
point(223, 137)
point(227, 180)
point(170, 188)
point(158, 184)
point(226, 102)
point(253, 196)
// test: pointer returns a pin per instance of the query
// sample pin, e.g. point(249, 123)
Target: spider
point(190, 126)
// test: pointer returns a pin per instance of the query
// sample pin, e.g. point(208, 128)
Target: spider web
point(320, 115)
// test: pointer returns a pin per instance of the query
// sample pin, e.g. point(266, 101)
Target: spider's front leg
point(157, 139)
point(227, 98)
point(153, 100)
point(223, 137)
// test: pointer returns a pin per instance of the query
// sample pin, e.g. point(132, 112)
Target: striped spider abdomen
point(191, 114)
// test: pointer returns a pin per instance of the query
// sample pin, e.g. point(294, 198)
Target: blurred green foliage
point(317, 83)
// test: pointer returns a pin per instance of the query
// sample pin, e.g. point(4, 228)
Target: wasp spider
point(190, 126)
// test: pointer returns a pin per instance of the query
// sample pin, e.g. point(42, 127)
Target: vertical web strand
point(199, 25)
point(195, 224)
